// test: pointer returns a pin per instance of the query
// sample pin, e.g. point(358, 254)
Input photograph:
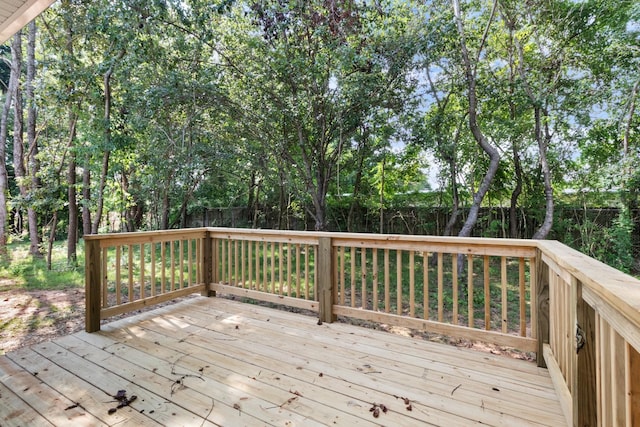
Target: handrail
point(581, 317)
point(594, 337)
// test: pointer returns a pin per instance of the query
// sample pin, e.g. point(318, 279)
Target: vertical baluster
point(363, 274)
point(199, 261)
point(250, 264)
point(280, 270)
point(273, 268)
point(243, 261)
point(387, 284)
point(163, 264)
point(487, 294)
point(130, 272)
point(412, 284)
point(353, 276)
point(523, 296)
point(306, 271)
point(336, 275)
point(265, 271)
point(181, 264)
point(505, 302)
point(374, 278)
point(425, 284)
point(440, 287)
point(142, 285)
point(399, 281)
point(236, 264)
point(230, 262)
point(118, 274)
point(632, 383)
point(311, 291)
point(618, 368)
point(258, 278)
point(342, 269)
point(470, 305)
point(454, 286)
point(152, 279)
point(289, 272)
point(223, 261)
point(104, 282)
point(189, 262)
point(298, 274)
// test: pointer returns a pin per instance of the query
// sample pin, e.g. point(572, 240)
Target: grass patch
point(19, 270)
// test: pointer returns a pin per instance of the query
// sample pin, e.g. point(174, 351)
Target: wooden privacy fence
point(581, 317)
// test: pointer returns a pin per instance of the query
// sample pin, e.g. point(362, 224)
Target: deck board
point(212, 361)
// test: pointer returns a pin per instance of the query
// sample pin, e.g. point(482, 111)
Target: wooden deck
point(212, 361)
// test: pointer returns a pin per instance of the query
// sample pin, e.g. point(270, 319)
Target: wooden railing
point(593, 345)
point(581, 317)
point(128, 271)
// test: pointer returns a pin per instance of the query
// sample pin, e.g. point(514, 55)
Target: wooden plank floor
point(212, 361)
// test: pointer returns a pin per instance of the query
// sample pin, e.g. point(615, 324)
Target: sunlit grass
point(19, 270)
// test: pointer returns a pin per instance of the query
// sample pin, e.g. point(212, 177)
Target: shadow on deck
point(212, 361)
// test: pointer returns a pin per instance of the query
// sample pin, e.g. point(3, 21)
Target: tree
point(4, 178)
point(471, 68)
point(318, 69)
point(33, 163)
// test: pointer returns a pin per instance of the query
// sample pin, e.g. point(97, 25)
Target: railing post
point(585, 401)
point(633, 402)
point(93, 279)
point(542, 308)
point(207, 265)
point(325, 280)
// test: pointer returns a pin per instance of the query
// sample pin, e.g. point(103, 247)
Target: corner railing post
point(585, 399)
point(325, 280)
point(542, 308)
point(93, 279)
point(207, 265)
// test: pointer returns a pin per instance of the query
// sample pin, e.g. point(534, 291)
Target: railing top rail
point(621, 291)
point(338, 237)
point(113, 239)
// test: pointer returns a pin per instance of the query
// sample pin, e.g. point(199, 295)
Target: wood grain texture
point(214, 361)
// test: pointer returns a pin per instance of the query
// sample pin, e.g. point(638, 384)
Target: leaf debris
point(122, 399)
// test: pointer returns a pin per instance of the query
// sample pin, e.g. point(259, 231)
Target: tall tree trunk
point(32, 141)
point(384, 159)
point(72, 234)
point(252, 196)
point(18, 124)
point(4, 177)
point(107, 142)
point(630, 191)
point(455, 196)
point(283, 211)
point(478, 135)
point(52, 238)
point(164, 221)
point(86, 195)
point(514, 230)
point(543, 137)
point(355, 203)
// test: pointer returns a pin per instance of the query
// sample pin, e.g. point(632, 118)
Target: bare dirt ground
point(30, 317)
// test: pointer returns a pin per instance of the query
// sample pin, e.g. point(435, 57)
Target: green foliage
point(285, 108)
point(612, 245)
